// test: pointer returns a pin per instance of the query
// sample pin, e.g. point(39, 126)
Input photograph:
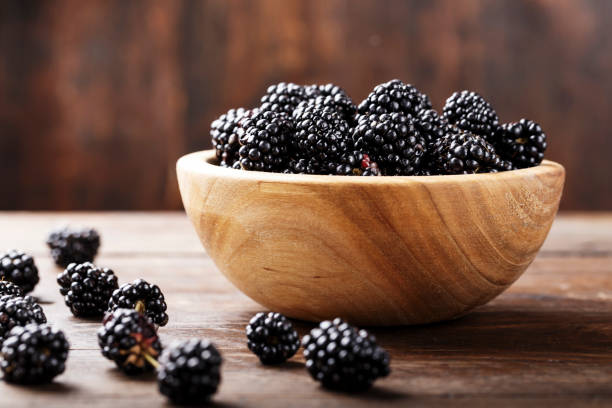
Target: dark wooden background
point(99, 98)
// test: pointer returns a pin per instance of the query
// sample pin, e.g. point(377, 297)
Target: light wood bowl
point(373, 250)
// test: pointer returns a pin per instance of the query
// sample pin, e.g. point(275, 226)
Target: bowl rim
point(201, 162)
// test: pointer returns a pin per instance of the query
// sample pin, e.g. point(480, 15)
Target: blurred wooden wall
point(99, 98)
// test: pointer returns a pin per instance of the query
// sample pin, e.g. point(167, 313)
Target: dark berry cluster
point(19, 268)
point(272, 338)
point(87, 288)
point(471, 112)
point(18, 311)
point(394, 97)
point(225, 137)
point(73, 245)
point(143, 297)
point(523, 143)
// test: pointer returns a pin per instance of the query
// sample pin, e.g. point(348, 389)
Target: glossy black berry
point(20, 269)
point(73, 246)
point(431, 126)
point(392, 141)
point(471, 112)
point(341, 357)
point(9, 288)
point(523, 143)
point(331, 96)
point(190, 372)
point(34, 354)
point(264, 138)
point(142, 296)
point(394, 96)
point(272, 338)
point(283, 98)
point(87, 288)
point(464, 153)
point(18, 311)
point(129, 339)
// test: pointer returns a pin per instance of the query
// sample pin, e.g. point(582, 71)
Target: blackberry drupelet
point(73, 246)
point(283, 98)
point(341, 357)
point(471, 112)
point(20, 269)
point(18, 311)
point(272, 338)
point(431, 125)
point(332, 96)
point(394, 96)
point(190, 372)
point(523, 143)
point(87, 288)
point(464, 153)
point(225, 138)
point(264, 139)
point(34, 354)
point(9, 288)
point(143, 297)
point(129, 338)
point(392, 141)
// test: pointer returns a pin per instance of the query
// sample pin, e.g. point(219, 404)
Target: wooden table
point(546, 341)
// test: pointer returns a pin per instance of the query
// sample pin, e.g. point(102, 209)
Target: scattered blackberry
point(341, 357)
point(272, 338)
point(332, 96)
point(18, 311)
point(129, 338)
point(394, 96)
point(471, 112)
point(87, 288)
point(78, 246)
point(392, 141)
point(9, 288)
point(431, 125)
point(19, 268)
point(523, 143)
point(143, 297)
point(190, 372)
point(225, 138)
point(464, 153)
point(283, 98)
point(34, 354)
point(264, 138)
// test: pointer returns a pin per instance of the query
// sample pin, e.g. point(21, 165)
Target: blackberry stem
point(151, 360)
point(140, 306)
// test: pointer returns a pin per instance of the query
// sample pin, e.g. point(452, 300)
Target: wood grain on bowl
point(374, 250)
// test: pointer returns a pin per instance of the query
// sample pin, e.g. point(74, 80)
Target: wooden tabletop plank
point(546, 341)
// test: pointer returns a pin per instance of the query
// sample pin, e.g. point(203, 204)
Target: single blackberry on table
point(341, 357)
point(9, 288)
point(264, 138)
point(523, 143)
point(143, 297)
point(129, 338)
point(87, 288)
point(283, 98)
point(390, 140)
point(394, 96)
point(272, 338)
point(471, 112)
point(18, 311)
point(431, 125)
point(34, 354)
point(332, 96)
point(19, 268)
point(225, 138)
point(464, 153)
point(190, 372)
point(73, 246)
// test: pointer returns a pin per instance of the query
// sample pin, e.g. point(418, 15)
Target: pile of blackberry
point(318, 129)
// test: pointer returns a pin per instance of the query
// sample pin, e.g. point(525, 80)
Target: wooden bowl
point(373, 250)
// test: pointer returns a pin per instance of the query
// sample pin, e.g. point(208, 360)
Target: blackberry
point(225, 138)
point(129, 338)
point(18, 311)
point(9, 288)
point(272, 338)
point(344, 358)
point(143, 297)
point(20, 269)
point(391, 140)
point(264, 138)
point(464, 153)
point(431, 125)
point(190, 372)
point(87, 288)
point(394, 96)
point(471, 112)
point(71, 245)
point(356, 163)
point(34, 354)
point(332, 96)
point(523, 143)
point(283, 98)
